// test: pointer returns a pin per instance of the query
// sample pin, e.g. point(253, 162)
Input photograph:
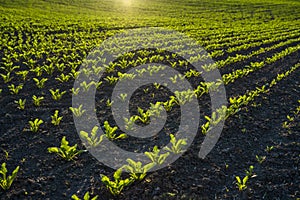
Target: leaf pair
point(136, 170)
point(34, 125)
point(93, 139)
point(177, 145)
point(85, 197)
point(65, 151)
point(110, 132)
point(6, 181)
point(156, 157)
point(115, 187)
point(242, 183)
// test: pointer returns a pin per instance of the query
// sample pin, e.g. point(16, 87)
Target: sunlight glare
point(127, 3)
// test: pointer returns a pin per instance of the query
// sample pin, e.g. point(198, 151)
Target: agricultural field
point(54, 56)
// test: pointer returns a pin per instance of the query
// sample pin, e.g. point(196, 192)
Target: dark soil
point(46, 176)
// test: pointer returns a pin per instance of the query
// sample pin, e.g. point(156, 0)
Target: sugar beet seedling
point(110, 132)
point(6, 181)
point(85, 197)
point(115, 187)
point(77, 112)
point(21, 103)
point(65, 151)
point(34, 125)
point(92, 139)
point(55, 118)
point(37, 100)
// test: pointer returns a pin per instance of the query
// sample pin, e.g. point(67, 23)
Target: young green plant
point(143, 116)
point(15, 89)
point(21, 103)
point(66, 151)
point(56, 95)
point(85, 197)
point(241, 183)
point(260, 159)
point(37, 100)
point(156, 157)
point(77, 112)
point(110, 132)
point(40, 83)
point(115, 187)
point(249, 172)
point(34, 125)
point(92, 139)
point(137, 170)
point(6, 181)
point(55, 118)
point(177, 145)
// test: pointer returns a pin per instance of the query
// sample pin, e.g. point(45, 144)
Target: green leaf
point(105, 179)
point(86, 196)
point(95, 197)
point(148, 166)
point(74, 197)
point(245, 179)
point(117, 174)
point(163, 157)
point(53, 150)
point(64, 142)
point(84, 135)
point(3, 169)
point(122, 136)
